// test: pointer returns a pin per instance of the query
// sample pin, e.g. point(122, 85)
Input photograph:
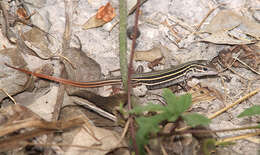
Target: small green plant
point(254, 110)
point(174, 109)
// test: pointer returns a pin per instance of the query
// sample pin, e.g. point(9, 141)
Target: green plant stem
point(123, 42)
point(201, 131)
point(123, 60)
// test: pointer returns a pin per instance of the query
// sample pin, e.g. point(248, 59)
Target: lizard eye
point(205, 69)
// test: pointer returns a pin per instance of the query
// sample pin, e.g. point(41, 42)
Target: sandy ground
point(103, 47)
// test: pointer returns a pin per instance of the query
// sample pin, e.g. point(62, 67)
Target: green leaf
point(254, 110)
point(150, 107)
point(172, 118)
point(208, 146)
point(183, 103)
point(176, 105)
point(169, 97)
point(225, 144)
point(171, 101)
point(147, 125)
point(195, 119)
point(121, 109)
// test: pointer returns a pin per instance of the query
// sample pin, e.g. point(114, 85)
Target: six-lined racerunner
point(152, 80)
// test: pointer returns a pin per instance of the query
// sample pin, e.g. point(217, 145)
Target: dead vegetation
point(81, 120)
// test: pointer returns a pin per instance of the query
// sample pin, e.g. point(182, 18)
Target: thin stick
point(225, 109)
point(174, 33)
point(56, 112)
point(8, 95)
point(242, 62)
point(124, 132)
point(204, 19)
point(230, 139)
point(235, 103)
point(129, 77)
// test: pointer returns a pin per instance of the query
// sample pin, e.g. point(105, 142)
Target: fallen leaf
point(96, 140)
point(38, 42)
point(85, 69)
point(93, 22)
point(21, 12)
point(27, 124)
point(248, 54)
point(230, 28)
point(106, 13)
point(223, 37)
point(101, 142)
point(13, 82)
point(149, 55)
point(224, 20)
point(250, 27)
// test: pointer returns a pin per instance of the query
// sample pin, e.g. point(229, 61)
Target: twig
point(123, 59)
point(181, 23)
point(130, 66)
point(230, 139)
point(124, 133)
point(101, 112)
point(242, 62)
point(203, 131)
point(164, 152)
point(56, 111)
point(235, 103)
point(225, 109)
point(232, 70)
point(69, 145)
point(61, 90)
point(204, 19)
point(129, 13)
point(173, 32)
point(8, 95)
point(36, 51)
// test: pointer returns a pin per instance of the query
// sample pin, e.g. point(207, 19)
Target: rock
point(36, 3)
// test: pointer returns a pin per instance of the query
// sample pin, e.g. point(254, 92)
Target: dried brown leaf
point(21, 12)
point(11, 81)
point(93, 22)
point(104, 142)
point(106, 13)
point(36, 40)
point(223, 37)
point(228, 27)
point(224, 20)
point(149, 55)
point(250, 27)
point(248, 57)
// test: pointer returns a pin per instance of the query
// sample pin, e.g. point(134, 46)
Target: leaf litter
point(223, 34)
point(228, 27)
point(105, 14)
